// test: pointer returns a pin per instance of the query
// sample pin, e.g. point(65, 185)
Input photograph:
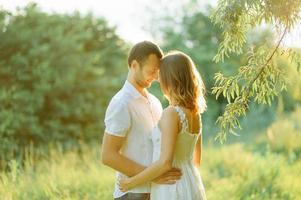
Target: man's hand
point(169, 177)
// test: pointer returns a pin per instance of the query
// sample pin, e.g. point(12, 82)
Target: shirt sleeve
point(117, 118)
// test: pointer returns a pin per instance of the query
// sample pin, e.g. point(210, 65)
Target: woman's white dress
point(190, 186)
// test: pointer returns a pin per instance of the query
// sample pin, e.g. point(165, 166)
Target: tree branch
point(268, 60)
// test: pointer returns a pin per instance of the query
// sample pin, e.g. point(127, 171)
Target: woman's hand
point(124, 184)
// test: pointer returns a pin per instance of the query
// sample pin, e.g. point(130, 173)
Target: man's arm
point(111, 156)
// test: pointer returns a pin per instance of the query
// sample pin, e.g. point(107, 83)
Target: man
point(130, 118)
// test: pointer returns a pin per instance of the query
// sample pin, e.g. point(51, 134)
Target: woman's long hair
point(181, 82)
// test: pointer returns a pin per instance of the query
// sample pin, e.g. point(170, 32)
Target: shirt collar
point(133, 91)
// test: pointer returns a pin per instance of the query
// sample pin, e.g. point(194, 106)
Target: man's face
point(148, 72)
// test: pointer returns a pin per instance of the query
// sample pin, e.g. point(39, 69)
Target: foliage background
point(59, 71)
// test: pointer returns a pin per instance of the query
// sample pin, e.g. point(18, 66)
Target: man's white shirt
point(133, 116)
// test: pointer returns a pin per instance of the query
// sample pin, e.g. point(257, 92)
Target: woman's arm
point(169, 129)
point(197, 157)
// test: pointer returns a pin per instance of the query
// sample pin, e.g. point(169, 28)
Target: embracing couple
point(156, 152)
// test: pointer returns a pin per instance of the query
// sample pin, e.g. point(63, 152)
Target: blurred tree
point(57, 73)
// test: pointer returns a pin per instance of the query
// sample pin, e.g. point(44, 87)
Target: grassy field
point(69, 175)
point(229, 172)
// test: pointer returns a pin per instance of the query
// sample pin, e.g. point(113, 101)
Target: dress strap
point(183, 118)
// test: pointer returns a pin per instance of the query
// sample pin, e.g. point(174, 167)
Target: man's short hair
point(142, 50)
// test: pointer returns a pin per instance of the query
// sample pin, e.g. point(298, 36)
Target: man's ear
point(134, 64)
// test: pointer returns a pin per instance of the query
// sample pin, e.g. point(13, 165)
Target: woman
point(177, 138)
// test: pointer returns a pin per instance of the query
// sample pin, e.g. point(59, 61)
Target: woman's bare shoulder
point(169, 117)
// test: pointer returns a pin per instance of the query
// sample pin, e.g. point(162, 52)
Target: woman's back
point(189, 132)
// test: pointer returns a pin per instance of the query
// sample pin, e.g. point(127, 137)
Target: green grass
point(236, 173)
point(229, 172)
point(69, 175)
point(267, 167)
